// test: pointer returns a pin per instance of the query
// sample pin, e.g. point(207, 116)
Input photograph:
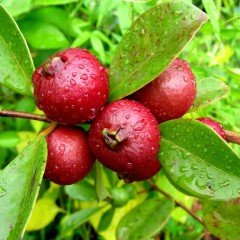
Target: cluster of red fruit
point(72, 88)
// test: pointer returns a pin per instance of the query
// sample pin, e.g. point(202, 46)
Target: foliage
point(195, 160)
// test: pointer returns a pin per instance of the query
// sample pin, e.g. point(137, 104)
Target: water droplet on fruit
point(84, 77)
point(73, 82)
point(74, 74)
point(139, 125)
point(129, 164)
point(62, 149)
point(93, 76)
point(81, 66)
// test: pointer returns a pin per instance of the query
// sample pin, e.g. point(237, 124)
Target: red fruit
point(145, 173)
point(216, 126)
point(171, 94)
point(124, 136)
point(69, 159)
point(71, 87)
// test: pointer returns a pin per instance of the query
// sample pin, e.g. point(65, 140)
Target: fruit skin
point(171, 94)
point(69, 159)
point(216, 126)
point(124, 136)
point(71, 87)
point(143, 174)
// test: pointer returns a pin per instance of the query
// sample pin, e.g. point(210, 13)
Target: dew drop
point(2, 191)
point(129, 164)
point(73, 82)
point(224, 184)
point(74, 74)
point(84, 77)
point(62, 149)
point(194, 166)
point(93, 76)
point(81, 66)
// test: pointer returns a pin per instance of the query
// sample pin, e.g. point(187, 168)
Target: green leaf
point(53, 15)
point(52, 2)
point(19, 186)
point(9, 139)
point(101, 191)
point(124, 18)
point(106, 219)
point(104, 7)
point(209, 90)
point(83, 191)
point(97, 45)
point(42, 35)
point(152, 42)
point(222, 219)
point(16, 63)
point(17, 7)
point(43, 214)
point(76, 219)
point(212, 12)
point(198, 161)
point(145, 220)
point(81, 39)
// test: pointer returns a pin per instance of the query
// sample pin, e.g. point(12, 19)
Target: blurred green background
point(98, 25)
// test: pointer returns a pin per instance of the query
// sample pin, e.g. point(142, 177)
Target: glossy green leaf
point(104, 6)
point(106, 219)
point(145, 220)
point(16, 63)
point(81, 39)
point(209, 90)
point(124, 17)
point(97, 45)
point(222, 218)
point(151, 43)
point(19, 186)
point(198, 161)
point(52, 2)
point(76, 219)
point(42, 35)
point(212, 12)
point(17, 7)
point(101, 190)
point(9, 139)
point(43, 214)
point(53, 15)
point(83, 191)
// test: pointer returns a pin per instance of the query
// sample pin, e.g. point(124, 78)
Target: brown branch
point(177, 203)
point(16, 114)
point(232, 137)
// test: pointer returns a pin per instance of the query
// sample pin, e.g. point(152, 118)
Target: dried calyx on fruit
point(171, 94)
point(69, 158)
point(216, 126)
point(143, 174)
point(124, 136)
point(71, 87)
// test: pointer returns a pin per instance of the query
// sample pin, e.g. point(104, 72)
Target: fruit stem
point(49, 129)
point(177, 203)
point(17, 114)
point(232, 137)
